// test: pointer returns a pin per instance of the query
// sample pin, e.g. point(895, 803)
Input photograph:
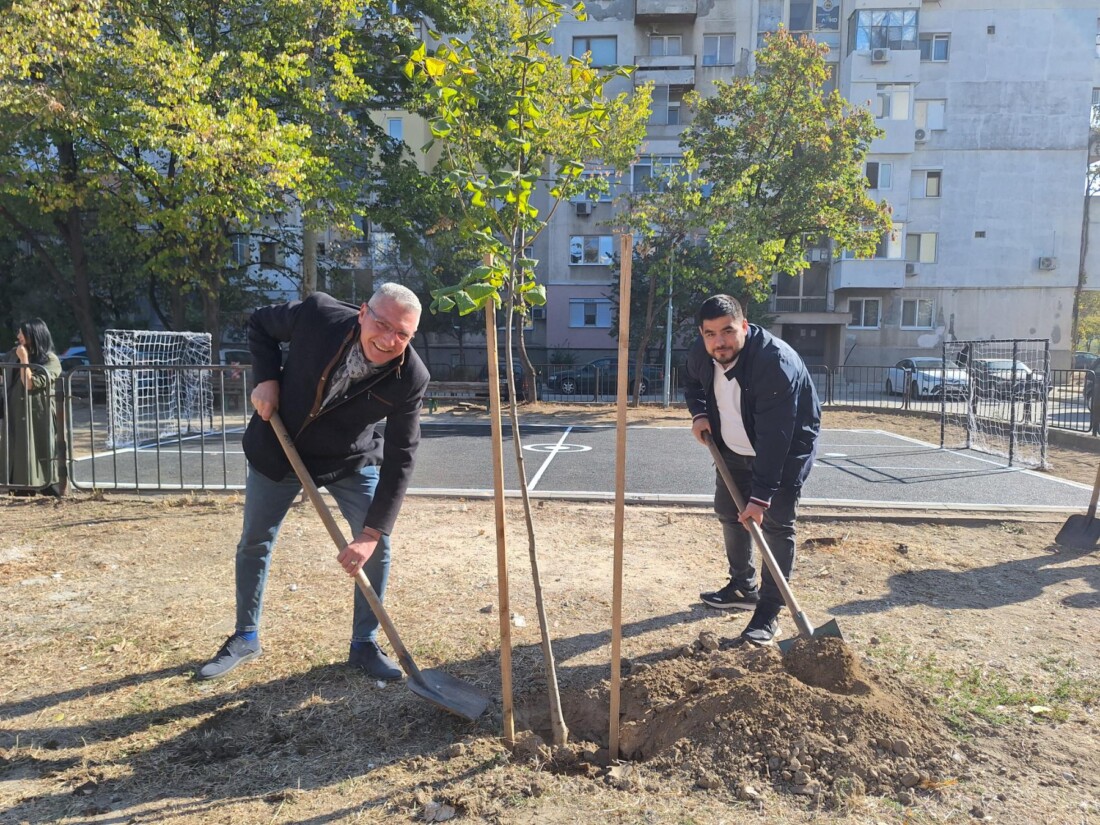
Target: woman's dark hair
point(718, 306)
point(39, 340)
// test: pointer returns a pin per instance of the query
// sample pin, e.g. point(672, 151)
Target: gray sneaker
point(763, 626)
point(235, 651)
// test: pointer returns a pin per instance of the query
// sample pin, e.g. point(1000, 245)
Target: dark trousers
point(778, 530)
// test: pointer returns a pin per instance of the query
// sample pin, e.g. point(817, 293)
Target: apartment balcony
point(671, 70)
point(806, 310)
point(881, 66)
point(876, 273)
point(665, 11)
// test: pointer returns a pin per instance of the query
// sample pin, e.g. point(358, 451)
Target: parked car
point(1084, 360)
point(604, 372)
point(925, 377)
point(993, 378)
point(502, 373)
point(80, 383)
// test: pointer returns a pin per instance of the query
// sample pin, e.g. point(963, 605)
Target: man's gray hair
point(400, 295)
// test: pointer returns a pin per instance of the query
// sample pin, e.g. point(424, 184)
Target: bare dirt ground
point(966, 691)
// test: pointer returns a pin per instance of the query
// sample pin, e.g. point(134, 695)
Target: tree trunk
point(309, 262)
point(530, 385)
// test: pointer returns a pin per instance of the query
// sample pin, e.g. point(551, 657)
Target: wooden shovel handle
point(338, 539)
point(804, 626)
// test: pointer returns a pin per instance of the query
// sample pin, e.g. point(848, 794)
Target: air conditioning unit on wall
point(538, 313)
point(880, 55)
point(584, 208)
point(910, 269)
point(1048, 264)
point(920, 136)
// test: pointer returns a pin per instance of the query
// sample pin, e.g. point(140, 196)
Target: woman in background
point(28, 443)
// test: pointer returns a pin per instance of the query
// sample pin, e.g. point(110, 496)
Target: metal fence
point(204, 452)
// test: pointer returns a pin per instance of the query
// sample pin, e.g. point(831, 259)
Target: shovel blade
point(449, 693)
point(829, 630)
point(1079, 532)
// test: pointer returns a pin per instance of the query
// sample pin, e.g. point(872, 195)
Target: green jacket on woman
point(28, 451)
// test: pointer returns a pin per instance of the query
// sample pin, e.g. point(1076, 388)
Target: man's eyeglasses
point(388, 328)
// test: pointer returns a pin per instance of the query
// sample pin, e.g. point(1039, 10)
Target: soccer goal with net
point(156, 387)
point(1003, 410)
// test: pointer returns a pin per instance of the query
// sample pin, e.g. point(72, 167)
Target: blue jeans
point(265, 506)
point(778, 530)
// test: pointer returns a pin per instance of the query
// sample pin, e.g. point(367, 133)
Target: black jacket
point(779, 407)
point(342, 438)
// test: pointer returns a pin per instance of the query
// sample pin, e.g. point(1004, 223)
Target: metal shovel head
point(449, 693)
point(829, 630)
point(1081, 532)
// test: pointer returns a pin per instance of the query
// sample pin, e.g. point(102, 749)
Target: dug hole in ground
point(966, 689)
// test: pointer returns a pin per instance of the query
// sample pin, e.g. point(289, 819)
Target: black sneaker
point(763, 626)
point(731, 597)
point(235, 651)
point(370, 659)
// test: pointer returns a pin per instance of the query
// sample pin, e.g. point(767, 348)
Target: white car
point(925, 377)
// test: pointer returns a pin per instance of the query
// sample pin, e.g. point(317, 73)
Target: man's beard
point(727, 357)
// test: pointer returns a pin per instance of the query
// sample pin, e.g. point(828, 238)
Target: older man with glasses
point(347, 370)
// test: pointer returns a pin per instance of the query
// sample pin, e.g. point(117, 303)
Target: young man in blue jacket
point(347, 369)
point(752, 392)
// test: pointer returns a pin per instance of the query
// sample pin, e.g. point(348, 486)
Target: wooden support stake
point(503, 601)
point(626, 243)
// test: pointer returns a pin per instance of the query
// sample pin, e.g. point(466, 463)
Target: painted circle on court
point(557, 448)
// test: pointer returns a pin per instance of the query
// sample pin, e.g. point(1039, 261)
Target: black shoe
point(235, 651)
point(763, 626)
point(731, 597)
point(370, 659)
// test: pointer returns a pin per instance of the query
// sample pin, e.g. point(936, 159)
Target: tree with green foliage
point(784, 163)
point(517, 123)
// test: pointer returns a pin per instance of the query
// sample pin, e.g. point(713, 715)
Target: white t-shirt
point(727, 393)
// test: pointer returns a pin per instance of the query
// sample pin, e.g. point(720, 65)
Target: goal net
point(1001, 406)
point(155, 389)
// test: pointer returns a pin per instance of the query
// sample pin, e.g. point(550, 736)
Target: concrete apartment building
point(985, 109)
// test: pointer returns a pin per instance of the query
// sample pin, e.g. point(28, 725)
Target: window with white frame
point(920, 247)
point(926, 183)
point(916, 313)
point(879, 175)
point(930, 114)
point(240, 252)
point(269, 253)
point(604, 49)
point(599, 185)
point(882, 29)
point(665, 45)
point(719, 50)
point(395, 128)
point(934, 48)
point(590, 312)
point(666, 106)
point(802, 16)
point(892, 101)
point(890, 244)
point(1098, 37)
point(865, 312)
point(383, 249)
point(642, 172)
point(590, 250)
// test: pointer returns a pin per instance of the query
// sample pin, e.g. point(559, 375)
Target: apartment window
point(879, 175)
point(829, 86)
point(590, 312)
point(666, 104)
point(383, 249)
point(664, 45)
point(865, 312)
point(916, 313)
point(920, 247)
point(926, 183)
point(802, 15)
point(890, 244)
point(1095, 109)
point(718, 49)
point(597, 186)
point(643, 171)
point(1098, 36)
point(882, 29)
point(590, 250)
point(770, 19)
point(269, 253)
point(930, 114)
point(892, 101)
point(604, 50)
point(240, 252)
point(395, 128)
point(934, 47)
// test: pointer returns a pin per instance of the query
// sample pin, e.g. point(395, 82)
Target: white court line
point(553, 452)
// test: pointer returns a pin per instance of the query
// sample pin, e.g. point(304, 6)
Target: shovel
point(805, 629)
point(436, 686)
point(1082, 532)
